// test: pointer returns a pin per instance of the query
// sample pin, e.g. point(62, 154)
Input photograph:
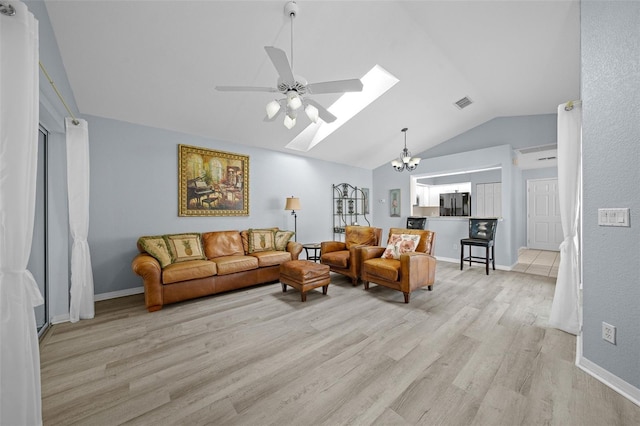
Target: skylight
point(375, 82)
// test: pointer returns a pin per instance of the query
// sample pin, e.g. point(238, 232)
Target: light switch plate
point(613, 217)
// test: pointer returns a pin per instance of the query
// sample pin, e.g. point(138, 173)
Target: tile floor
point(538, 262)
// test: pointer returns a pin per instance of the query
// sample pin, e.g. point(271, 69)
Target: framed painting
point(365, 200)
point(212, 183)
point(394, 202)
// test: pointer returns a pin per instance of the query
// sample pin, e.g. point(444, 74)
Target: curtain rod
point(8, 10)
point(74, 120)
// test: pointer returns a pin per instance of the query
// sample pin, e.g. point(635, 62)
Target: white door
point(544, 229)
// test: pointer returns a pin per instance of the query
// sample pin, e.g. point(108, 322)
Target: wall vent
point(463, 103)
point(537, 156)
point(538, 149)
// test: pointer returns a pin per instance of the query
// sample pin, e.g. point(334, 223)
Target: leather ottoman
point(304, 275)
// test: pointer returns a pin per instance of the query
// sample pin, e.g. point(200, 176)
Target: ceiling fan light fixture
point(293, 88)
point(272, 108)
point(312, 113)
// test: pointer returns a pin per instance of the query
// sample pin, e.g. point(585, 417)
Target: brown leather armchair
point(344, 257)
point(413, 270)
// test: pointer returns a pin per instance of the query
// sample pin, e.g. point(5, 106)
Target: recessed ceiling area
point(156, 63)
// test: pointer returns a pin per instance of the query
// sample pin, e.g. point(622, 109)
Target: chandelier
point(405, 161)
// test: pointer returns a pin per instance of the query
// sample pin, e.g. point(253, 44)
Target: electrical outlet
point(608, 333)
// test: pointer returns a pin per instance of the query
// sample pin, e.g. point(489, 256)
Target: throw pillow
point(185, 247)
point(261, 240)
point(156, 247)
point(399, 244)
point(282, 238)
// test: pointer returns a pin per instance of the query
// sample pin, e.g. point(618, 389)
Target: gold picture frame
point(212, 183)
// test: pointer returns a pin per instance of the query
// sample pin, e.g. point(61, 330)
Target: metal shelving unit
point(350, 207)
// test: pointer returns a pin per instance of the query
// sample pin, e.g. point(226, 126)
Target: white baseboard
point(452, 260)
point(625, 389)
point(60, 319)
point(103, 296)
point(119, 293)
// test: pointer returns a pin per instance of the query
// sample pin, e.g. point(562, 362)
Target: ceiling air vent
point(463, 103)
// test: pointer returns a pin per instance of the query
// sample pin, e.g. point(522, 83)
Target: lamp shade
point(289, 122)
point(293, 100)
point(312, 113)
point(293, 203)
point(272, 108)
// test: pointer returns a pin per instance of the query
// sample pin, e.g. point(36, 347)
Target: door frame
point(45, 172)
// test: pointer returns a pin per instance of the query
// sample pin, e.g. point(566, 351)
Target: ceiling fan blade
point(338, 86)
point(281, 63)
point(323, 113)
point(246, 89)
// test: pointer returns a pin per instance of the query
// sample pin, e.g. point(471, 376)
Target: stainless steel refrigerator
point(455, 204)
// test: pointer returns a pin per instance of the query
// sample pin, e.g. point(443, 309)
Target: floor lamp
point(293, 204)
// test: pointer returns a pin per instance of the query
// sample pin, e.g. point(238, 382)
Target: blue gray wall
point(611, 158)
point(488, 145)
point(134, 192)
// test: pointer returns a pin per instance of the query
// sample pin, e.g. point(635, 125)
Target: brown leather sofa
point(409, 272)
point(344, 257)
point(227, 262)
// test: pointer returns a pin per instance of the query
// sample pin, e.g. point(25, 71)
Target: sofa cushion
point(184, 247)
point(360, 235)
point(282, 238)
point(339, 259)
point(157, 247)
point(387, 269)
point(245, 238)
point(270, 258)
point(399, 244)
point(222, 243)
point(230, 264)
point(261, 240)
point(189, 270)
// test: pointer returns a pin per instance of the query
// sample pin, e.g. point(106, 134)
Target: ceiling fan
point(295, 88)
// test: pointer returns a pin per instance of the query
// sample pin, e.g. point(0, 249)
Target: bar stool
point(481, 234)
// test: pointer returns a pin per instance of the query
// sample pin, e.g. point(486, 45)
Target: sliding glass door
point(38, 259)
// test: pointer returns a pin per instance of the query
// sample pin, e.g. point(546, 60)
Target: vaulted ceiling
point(156, 63)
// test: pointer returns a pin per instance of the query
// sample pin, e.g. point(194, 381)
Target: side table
point(312, 251)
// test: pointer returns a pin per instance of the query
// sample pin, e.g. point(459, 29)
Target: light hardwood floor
point(474, 351)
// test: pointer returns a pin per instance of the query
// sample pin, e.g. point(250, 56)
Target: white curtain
point(19, 102)
point(82, 306)
point(566, 300)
